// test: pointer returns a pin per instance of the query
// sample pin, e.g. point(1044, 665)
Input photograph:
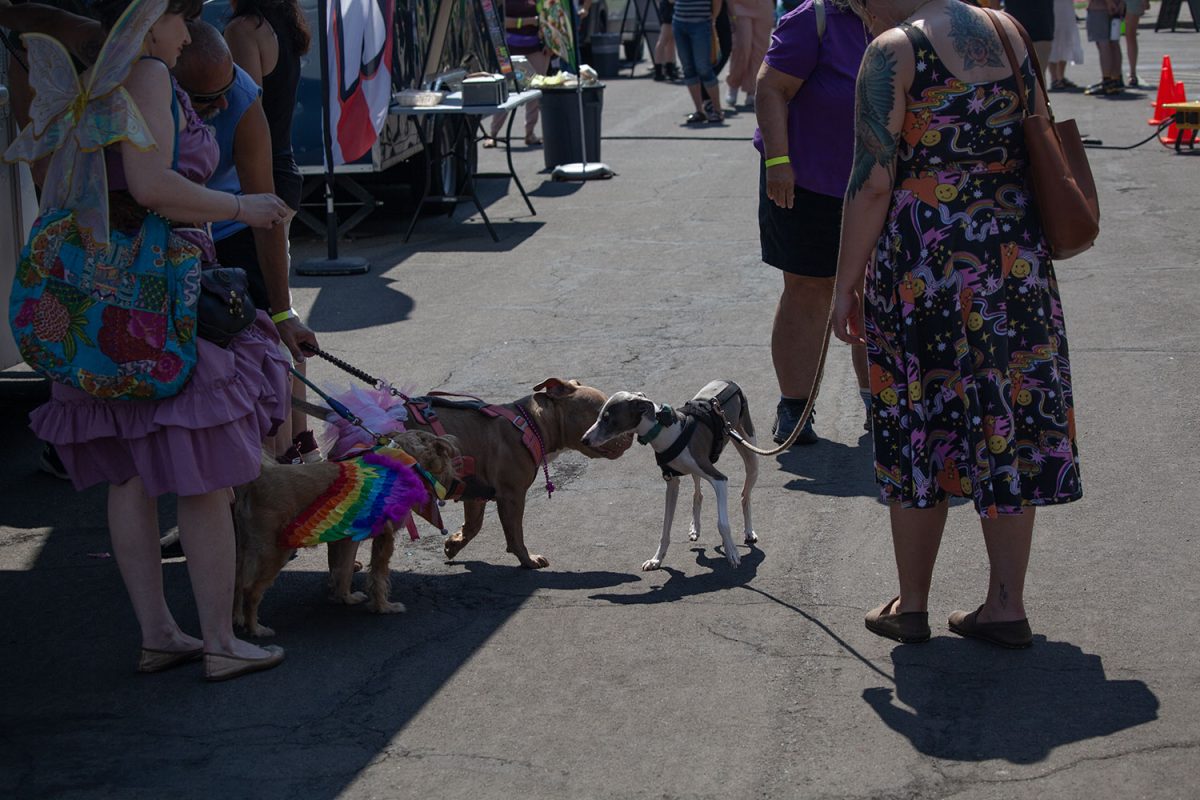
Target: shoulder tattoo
point(974, 40)
point(875, 93)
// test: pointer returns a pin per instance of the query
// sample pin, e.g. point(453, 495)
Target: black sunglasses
point(205, 99)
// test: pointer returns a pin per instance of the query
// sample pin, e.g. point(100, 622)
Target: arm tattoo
point(974, 40)
point(875, 93)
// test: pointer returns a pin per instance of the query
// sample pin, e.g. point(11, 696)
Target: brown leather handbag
point(1059, 173)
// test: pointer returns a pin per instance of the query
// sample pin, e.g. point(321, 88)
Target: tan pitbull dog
point(504, 468)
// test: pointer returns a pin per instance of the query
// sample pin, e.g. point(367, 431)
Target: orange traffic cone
point(1180, 96)
point(1166, 93)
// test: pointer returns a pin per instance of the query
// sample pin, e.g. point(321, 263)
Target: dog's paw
point(535, 562)
point(260, 631)
point(453, 545)
point(693, 533)
point(651, 565)
point(351, 599)
point(734, 558)
point(751, 538)
point(386, 608)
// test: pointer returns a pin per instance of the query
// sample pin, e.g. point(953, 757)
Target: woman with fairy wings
point(122, 141)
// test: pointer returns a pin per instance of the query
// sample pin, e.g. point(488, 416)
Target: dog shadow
point(966, 701)
point(720, 576)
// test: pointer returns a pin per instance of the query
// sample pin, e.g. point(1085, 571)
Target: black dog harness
point(701, 410)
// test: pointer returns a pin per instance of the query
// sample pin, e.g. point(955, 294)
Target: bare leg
point(1009, 539)
point(858, 357)
point(133, 522)
point(1131, 43)
point(206, 532)
point(664, 48)
point(697, 100)
point(796, 334)
point(916, 537)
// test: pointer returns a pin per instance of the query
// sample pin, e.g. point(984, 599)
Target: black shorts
point(238, 251)
point(666, 11)
point(803, 239)
point(1035, 16)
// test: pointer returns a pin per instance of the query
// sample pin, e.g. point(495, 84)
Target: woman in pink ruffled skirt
point(204, 440)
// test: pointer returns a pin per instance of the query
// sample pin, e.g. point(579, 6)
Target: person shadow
point(1011, 705)
point(831, 468)
point(720, 576)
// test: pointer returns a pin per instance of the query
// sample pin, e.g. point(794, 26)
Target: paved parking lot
point(591, 679)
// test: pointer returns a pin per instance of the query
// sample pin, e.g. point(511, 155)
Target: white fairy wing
point(73, 124)
point(123, 45)
point(55, 89)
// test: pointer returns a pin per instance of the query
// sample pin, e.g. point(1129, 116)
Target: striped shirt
point(692, 11)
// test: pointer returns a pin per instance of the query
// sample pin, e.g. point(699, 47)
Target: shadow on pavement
point(679, 586)
point(831, 468)
point(77, 721)
point(966, 701)
point(342, 303)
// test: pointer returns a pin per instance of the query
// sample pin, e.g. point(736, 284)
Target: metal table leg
point(429, 158)
point(508, 154)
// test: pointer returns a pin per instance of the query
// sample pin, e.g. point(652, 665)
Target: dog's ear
point(644, 406)
point(556, 388)
point(642, 395)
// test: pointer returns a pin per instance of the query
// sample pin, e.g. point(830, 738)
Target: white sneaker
point(731, 98)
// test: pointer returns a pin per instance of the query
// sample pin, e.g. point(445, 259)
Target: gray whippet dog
point(687, 442)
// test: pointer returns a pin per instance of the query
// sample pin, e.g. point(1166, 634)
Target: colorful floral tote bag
point(118, 322)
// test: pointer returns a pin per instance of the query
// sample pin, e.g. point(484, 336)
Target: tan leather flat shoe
point(1014, 634)
point(221, 668)
point(152, 660)
point(909, 627)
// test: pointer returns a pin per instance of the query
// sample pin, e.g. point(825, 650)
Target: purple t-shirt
point(821, 114)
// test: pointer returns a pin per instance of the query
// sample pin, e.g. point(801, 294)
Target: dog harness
point(423, 411)
point(701, 410)
point(371, 490)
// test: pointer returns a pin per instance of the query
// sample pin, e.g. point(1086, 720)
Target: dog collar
point(665, 416)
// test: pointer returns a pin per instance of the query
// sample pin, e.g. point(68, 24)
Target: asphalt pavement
point(590, 678)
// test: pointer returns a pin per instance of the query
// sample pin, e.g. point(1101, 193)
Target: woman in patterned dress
point(960, 311)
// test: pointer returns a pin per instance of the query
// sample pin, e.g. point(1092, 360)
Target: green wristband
point(777, 160)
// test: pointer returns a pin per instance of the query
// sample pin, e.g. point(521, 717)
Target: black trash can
point(606, 54)
point(560, 124)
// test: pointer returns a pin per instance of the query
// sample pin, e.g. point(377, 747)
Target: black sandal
point(696, 118)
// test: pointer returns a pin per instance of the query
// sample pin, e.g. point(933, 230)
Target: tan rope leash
point(808, 408)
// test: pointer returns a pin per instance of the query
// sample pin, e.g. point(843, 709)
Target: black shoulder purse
point(225, 308)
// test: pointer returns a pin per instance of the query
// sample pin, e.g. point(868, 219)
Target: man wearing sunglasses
point(229, 100)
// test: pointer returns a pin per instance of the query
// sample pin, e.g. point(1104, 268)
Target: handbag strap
point(1016, 67)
